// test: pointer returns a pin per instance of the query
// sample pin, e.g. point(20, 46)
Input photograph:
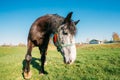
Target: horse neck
point(51, 22)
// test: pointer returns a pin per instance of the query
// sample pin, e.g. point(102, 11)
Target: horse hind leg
point(28, 57)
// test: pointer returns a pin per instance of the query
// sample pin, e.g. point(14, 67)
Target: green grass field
point(94, 62)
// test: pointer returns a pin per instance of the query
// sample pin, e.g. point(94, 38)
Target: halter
point(58, 44)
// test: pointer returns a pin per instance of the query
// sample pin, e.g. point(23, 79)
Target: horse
point(63, 29)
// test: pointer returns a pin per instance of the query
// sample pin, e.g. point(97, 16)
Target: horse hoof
point(27, 75)
point(45, 62)
point(41, 74)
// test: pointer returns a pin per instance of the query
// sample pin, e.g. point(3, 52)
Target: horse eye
point(65, 33)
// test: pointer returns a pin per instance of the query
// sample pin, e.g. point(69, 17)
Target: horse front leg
point(43, 60)
point(28, 57)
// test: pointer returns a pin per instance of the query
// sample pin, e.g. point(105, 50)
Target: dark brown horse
point(63, 30)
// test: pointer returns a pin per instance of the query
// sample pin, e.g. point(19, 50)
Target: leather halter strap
point(55, 38)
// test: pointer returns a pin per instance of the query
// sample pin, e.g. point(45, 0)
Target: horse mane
point(60, 20)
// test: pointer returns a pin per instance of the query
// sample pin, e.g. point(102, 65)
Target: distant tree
point(21, 45)
point(115, 37)
point(7, 45)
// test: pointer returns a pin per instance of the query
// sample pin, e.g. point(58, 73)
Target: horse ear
point(76, 22)
point(68, 18)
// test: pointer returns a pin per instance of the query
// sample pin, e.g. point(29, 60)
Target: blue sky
point(99, 18)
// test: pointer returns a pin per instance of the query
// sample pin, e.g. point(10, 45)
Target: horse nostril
point(69, 61)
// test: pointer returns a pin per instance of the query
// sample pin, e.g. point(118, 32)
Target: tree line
point(115, 38)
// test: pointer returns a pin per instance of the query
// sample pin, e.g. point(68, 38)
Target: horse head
point(64, 39)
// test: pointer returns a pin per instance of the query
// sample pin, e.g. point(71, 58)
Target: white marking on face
point(68, 52)
point(73, 51)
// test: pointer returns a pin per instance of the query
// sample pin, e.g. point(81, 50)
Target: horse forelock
point(59, 20)
point(72, 28)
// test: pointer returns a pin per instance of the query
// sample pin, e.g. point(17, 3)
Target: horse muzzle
point(70, 56)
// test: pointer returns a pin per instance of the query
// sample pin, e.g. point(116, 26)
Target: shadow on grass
point(35, 62)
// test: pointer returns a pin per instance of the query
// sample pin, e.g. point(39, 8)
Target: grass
point(94, 62)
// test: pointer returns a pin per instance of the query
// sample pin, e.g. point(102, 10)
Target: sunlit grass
point(94, 62)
